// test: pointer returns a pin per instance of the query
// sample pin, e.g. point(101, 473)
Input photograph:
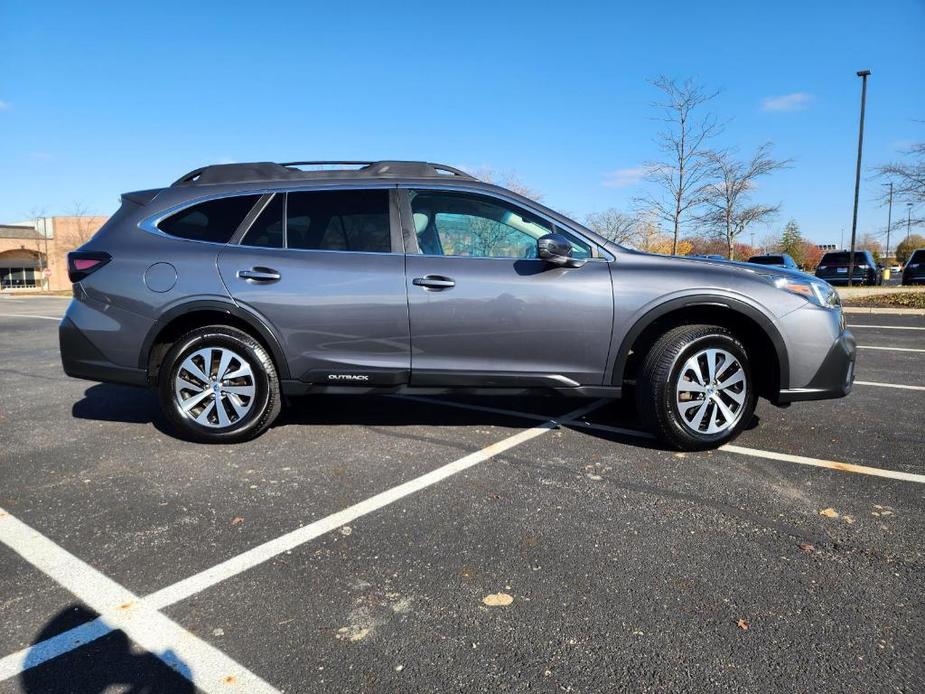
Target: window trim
point(597, 253)
point(150, 223)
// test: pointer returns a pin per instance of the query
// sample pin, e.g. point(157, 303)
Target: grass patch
point(894, 300)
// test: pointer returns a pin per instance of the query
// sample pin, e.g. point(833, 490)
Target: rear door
point(485, 311)
point(325, 269)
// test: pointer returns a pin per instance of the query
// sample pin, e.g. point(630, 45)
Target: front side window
point(465, 224)
point(213, 220)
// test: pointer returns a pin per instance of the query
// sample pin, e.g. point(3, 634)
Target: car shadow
point(115, 403)
point(110, 663)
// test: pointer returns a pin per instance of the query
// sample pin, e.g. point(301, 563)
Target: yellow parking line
point(830, 464)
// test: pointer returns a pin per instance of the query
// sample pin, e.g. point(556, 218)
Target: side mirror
point(555, 249)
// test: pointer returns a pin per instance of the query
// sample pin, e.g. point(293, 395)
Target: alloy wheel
point(711, 390)
point(215, 387)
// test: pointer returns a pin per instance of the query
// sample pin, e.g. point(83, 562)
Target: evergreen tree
point(791, 241)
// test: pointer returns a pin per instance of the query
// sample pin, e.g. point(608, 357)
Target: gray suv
point(241, 284)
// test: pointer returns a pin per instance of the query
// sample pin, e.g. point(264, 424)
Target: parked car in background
point(244, 283)
point(775, 260)
point(914, 273)
point(710, 256)
point(833, 268)
point(896, 269)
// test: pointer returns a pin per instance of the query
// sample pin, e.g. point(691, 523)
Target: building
point(33, 255)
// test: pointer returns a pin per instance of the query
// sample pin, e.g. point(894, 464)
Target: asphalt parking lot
point(385, 544)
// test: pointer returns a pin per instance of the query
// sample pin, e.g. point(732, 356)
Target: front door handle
point(259, 274)
point(435, 282)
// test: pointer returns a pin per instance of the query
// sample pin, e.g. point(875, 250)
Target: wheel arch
point(193, 314)
point(762, 339)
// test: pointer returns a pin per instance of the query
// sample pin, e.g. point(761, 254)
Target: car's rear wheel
point(218, 385)
point(695, 387)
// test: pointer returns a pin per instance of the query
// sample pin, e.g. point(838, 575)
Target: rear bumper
point(834, 377)
point(81, 359)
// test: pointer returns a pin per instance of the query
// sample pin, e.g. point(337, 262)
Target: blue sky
point(98, 99)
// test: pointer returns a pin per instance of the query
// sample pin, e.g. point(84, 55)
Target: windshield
point(918, 257)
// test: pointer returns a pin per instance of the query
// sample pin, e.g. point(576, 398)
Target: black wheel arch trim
point(734, 305)
point(251, 319)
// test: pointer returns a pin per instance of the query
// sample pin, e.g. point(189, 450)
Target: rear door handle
point(436, 282)
point(259, 274)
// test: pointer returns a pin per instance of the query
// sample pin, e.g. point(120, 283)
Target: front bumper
point(81, 359)
point(834, 377)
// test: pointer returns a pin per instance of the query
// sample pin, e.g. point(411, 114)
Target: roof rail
point(326, 163)
point(271, 171)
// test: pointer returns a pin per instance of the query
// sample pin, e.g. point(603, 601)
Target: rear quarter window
point(214, 220)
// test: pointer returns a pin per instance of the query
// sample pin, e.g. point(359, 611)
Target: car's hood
point(737, 267)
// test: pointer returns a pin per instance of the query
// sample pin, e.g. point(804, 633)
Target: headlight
point(820, 293)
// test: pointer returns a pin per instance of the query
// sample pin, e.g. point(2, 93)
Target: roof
point(270, 171)
point(9, 231)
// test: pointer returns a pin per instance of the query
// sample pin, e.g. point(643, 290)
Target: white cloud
point(788, 102)
point(624, 178)
point(5, 106)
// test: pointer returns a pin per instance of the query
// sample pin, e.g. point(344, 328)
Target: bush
point(905, 247)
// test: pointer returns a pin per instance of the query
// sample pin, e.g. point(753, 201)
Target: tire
point(244, 411)
point(660, 396)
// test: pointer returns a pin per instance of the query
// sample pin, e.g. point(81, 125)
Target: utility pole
point(909, 219)
point(863, 74)
point(889, 222)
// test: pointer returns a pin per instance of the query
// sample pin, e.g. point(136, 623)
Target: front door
point(485, 311)
point(321, 267)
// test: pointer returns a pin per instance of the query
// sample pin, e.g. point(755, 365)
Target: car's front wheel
point(218, 385)
point(695, 387)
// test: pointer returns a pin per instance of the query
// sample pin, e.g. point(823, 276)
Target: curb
point(885, 311)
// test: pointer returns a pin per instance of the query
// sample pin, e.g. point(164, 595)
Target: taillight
point(82, 263)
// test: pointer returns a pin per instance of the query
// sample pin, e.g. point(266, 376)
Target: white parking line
point(888, 385)
point(888, 327)
point(573, 421)
point(204, 665)
point(831, 464)
point(27, 315)
point(892, 349)
point(147, 607)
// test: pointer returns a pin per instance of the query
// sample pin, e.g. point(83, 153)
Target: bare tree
point(727, 202)
point(38, 215)
point(614, 225)
point(509, 180)
point(682, 177)
point(908, 176)
point(83, 222)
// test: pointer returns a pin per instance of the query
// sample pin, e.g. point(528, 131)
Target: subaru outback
point(242, 284)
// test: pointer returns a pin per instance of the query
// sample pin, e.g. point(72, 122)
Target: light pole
point(863, 74)
point(889, 221)
point(908, 219)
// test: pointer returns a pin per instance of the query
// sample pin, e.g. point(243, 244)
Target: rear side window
point(213, 220)
point(339, 220)
point(267, 229)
